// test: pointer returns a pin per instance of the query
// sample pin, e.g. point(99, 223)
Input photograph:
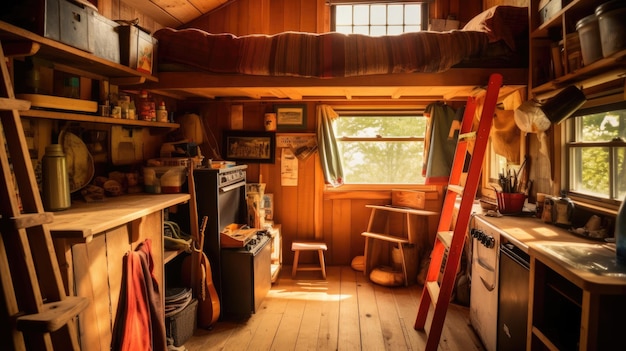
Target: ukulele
point(197, 268)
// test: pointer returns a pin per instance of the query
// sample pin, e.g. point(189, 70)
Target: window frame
point(570, 142)
point(424, 10)
point(365, 111)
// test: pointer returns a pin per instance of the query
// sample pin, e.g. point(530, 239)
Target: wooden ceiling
point(174, 13)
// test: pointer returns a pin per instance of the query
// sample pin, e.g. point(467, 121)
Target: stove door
point(484, 289)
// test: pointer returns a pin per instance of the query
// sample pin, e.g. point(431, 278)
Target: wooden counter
point(577, 290)
point(83, 219)
point(91, 240)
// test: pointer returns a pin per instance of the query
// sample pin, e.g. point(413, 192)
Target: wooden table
point(411, 230)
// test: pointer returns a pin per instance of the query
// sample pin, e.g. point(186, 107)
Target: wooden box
point(408, 198)
point(137, 48)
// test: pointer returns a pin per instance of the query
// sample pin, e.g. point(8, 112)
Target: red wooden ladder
point(448, 247)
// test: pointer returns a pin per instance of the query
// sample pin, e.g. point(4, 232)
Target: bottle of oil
point(55, 181)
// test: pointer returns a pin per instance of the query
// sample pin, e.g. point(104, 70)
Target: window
point(378, 19)
point(381, 148)
point(597, 152)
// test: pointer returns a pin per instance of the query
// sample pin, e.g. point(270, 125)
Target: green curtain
point(327, 144)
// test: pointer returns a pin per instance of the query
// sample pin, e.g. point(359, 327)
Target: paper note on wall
point(288, 168)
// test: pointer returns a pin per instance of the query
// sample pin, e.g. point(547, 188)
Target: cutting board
point(126, 145)
point(59, 103)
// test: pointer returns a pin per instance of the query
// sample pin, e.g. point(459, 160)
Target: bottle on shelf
point(161, 114)
point(55, 180)
point(147, 108)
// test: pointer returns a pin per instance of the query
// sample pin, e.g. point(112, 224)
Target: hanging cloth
point(139, 323)
point(328, 150)
point(441, 146)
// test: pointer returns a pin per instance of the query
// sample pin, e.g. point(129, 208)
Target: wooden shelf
point(71, 116)
point(169, 255)
point(59, 53)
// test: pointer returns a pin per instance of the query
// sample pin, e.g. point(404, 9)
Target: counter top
point(589, 264)
point(84, 219)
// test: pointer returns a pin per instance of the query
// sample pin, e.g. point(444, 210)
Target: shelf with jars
point(565, 34)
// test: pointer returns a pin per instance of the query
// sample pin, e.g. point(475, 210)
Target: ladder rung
point(7, 104)
point(445, 238)
point(467, 136)
point(456, 188)
point(433, 291)
point(55, 315)
point(385, 237)
point(31, 220)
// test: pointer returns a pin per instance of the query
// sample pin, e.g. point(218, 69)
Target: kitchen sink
point(595, 258)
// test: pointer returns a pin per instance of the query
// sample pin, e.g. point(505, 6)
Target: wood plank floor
point(343, 312)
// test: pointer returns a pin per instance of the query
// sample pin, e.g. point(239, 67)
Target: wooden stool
point(298, 246)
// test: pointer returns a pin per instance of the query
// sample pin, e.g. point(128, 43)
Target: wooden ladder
point(33, 301)
point(448, 247)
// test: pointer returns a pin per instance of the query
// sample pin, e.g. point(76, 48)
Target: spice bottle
point(55, 184)
point(161, 114)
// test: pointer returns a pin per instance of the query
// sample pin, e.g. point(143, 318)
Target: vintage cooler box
point(62, 20)
point(137, 48)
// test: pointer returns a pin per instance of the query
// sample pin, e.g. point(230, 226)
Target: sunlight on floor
point(310, 291)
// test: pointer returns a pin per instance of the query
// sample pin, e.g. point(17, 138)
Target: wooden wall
point(305, 211)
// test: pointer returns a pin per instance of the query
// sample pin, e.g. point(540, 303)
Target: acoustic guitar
point(197, 268)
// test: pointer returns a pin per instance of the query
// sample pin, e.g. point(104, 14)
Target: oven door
point(484, 288)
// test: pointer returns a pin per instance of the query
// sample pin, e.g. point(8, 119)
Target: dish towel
point(139, 323)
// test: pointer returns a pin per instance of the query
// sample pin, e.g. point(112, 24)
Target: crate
point(180, 327)
point(137, 48)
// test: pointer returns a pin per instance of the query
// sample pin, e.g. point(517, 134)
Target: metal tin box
point(104, 41)
point(60, 20)
point(137, 48)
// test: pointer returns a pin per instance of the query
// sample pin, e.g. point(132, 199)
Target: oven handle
point(489, 272)
point(233, 186)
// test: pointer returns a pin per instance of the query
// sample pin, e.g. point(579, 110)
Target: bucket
point(612, 27)
point(562, 105)
point(510, 203)
point(589, 34)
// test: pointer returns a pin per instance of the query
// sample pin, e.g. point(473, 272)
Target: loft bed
point(299, 66)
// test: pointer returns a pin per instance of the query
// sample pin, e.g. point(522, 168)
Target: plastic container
point(55, 181)
point(164, 180)
point(589, 34)
point(612, 26)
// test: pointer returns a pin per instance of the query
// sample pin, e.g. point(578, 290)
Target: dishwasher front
point(513, 296)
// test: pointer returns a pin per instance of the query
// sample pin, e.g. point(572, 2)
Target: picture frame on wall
point(249, 147)
point(290, 117)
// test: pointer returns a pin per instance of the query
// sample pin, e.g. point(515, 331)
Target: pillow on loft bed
point(506, 23)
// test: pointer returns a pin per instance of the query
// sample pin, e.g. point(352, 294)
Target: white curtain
point(328, 151)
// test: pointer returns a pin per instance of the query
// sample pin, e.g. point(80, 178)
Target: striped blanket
point(324, 55)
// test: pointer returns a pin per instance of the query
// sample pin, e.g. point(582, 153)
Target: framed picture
point(250, 147)
point(290, 117)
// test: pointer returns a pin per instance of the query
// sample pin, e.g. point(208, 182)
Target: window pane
point(361, 14)
point(361, 30)
point(343, 15)
point(412, 14)
point(589, 172)
point(378, 14)
point(604, 126)
point(395, 14)
point(344, 29)
point(377, 31)
point(620, 172)
point(382, 162)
